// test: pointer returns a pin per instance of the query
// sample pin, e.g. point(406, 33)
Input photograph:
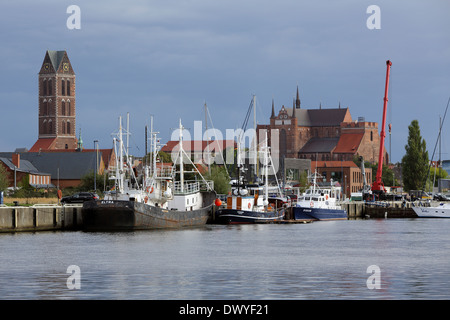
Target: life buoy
point(326, 197)
point(249, 205)
point(145, 199)
point(148, 189)
point(311, 204)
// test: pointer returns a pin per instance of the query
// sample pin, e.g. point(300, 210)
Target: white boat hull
point(433, 212)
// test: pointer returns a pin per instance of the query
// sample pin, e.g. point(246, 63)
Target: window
point(64, 127)
point(68, 87)
point(63, 91)
point(44, 107)
point(371, 135)
point(50, 126)
point(63, 111)
point(68, 107)
point(44, 87)
point(50, 87)
point(68, 127)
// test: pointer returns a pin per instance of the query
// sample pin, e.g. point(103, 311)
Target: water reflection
point(308, 261)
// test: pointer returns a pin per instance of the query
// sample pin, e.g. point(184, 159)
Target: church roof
point(42, 144)
point(320, 117)
point(319, 145)
point(56, 57)
point(349, 143)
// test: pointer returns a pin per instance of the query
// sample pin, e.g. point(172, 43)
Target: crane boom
point(378, 185)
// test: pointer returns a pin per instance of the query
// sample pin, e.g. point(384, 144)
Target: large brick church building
point(323, 134)
point(56, 115)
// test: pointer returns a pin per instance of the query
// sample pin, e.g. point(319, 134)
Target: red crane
point(378, 185)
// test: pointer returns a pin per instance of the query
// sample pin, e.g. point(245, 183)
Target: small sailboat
point(440, 211)
point(159, 202)
point(249, 203)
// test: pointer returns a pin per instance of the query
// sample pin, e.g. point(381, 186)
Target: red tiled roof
point(42, 144)
point(349, 143)
point(199, 146)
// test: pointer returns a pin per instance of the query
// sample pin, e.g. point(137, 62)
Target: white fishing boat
point(319, 203)
point(157, 202)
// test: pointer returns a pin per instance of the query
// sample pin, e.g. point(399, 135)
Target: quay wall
point(388, 209)
point(40, 218)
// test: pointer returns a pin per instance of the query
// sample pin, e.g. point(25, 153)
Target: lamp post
point(95, 171)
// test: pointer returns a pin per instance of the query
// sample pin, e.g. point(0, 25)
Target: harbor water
point(319, 260)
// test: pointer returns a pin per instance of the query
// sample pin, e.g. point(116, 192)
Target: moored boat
point(440, 211)
point(319, 203)
point(249, 203)
point(158, 202)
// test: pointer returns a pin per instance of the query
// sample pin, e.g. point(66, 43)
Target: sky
point(168, 58)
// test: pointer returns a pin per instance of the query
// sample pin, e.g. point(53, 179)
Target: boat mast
point(181, 159)
point(255, 145)
point(238, 162)
point(207, 139)
point(266, 167)
point(154, 153)
point(121, 173)
point(128, 137)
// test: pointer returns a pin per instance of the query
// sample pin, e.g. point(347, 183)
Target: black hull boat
point(233, 216)
point(150, 200)
point(250, 203)
point(118, 215)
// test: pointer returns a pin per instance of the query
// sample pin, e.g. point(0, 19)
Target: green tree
point(221, 179)
point(415, 161)
point(161, 156)
point(436, 174)
point(87, 182)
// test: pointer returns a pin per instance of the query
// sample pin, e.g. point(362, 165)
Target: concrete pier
point(40, 218)
point(68, 217)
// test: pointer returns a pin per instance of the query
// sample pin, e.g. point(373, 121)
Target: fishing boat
point(440, 211)
point(155, 201)
point(319, 203)
point(249, 203)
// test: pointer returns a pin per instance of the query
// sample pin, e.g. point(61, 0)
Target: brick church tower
point(56, 104)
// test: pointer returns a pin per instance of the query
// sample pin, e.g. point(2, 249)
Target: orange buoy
point(218, 202)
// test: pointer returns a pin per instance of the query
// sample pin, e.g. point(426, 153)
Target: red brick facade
point(57, 102)
point(323, 134)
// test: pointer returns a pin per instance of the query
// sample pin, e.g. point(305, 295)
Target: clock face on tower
point(65, 66)
point(46, 66)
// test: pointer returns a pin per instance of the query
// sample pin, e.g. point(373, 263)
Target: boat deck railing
point(165, 172)
point(192, 186)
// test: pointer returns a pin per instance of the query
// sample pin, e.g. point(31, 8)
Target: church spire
point(293, 107)
point(297, 101)
point(80, 143)
point(273, 110)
